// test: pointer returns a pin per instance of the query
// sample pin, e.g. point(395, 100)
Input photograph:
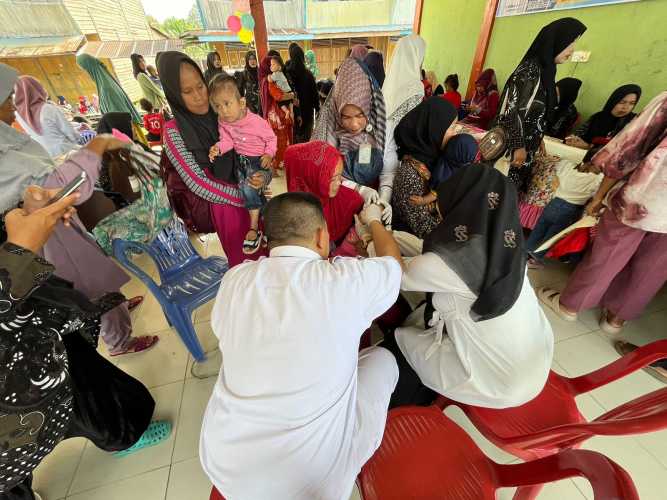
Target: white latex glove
point(362, 230)
point(369, 195)
point(371, 213)
point(386, 211)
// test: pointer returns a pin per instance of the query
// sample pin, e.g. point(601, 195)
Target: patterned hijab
point(29, 98)
point(309, 167)
point(403, 88)
point(311, 63)
point(354, 85)
point(480, 238)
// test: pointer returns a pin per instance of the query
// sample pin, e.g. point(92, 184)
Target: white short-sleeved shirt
point(281, 418)
point(498, 363)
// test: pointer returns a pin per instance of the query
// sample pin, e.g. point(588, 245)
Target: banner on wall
point(519, 7)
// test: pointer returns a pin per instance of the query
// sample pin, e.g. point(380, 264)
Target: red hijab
point(309, 167)
point(263, 71)
point(29, 99)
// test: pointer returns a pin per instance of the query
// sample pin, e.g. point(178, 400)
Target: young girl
point(252, 138)
point(278, 78)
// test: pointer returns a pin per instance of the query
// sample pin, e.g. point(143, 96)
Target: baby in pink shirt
point(253, 140)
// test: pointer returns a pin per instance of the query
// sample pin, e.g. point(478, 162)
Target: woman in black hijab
point(306, 90)
point(213, 67)
point(603, 125)
point(421, 137)
point(375, 63)
point(529, 99)
point(565, 114)
point(484, 341)
point(203, 203)
point(248, 82)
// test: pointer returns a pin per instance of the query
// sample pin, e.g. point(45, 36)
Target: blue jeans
point(557, 215)
point(249, 165)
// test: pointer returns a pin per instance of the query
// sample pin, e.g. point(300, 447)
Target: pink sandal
point(135, 302)
point(137, 344)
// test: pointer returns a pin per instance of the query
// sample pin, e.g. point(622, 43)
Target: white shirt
point(58, 135)
point(498, 363)
point(576, 187)
point(282, 415)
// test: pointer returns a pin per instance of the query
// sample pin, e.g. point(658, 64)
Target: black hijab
point(211, 70)
point(303, 79)
point(568, 91)
point(199, 132)
point(251, 73)
point(603, 123)
point(549, 42)
point(480, 238)
point(136, 69)
point(420, 132)
point(375, 63)
point(115, 120)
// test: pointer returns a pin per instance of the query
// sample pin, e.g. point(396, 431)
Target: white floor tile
point(162, 364)
point(99, 468)
point(562, 329)
point(656, 444)
point(195, 398)
point(188, 481)
point(203, 313)
point(149, 317)
point(54, 475)
point(208, 341)
point(553, 275)
point(560, 490)
point(149, 486)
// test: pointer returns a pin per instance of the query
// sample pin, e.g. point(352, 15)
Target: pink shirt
point(250, 136)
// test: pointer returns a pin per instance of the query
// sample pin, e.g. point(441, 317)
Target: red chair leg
point(215, 495)
point(528, 492)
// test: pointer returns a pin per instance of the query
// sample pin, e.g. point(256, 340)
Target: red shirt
point(454, 97)
point(153, 122)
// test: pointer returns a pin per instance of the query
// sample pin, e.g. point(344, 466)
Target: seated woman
point(484, 104)
point(44, 121)
point(566, 114)
point(421, 137)
point(353, 121)
point(316, 167)
point(486, 341)
point(600, 128)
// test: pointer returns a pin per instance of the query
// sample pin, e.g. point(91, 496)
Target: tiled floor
point(76, 470)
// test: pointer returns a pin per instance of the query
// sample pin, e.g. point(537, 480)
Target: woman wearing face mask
point(529, 97)
point(353, 121)
point(248, 82)
point(150, 89)
point(213, 67)
point(599, 129)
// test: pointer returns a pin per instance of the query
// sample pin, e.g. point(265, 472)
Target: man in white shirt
point(297, 410)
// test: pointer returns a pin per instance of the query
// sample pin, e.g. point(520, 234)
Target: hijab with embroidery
point(603, 124)
point(420, 132)
point(29, 98)
point(480, 238)
point(309, 167)
point(354, 85)
point(403, 88)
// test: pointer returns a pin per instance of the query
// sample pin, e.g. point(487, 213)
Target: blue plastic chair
point(187, 280)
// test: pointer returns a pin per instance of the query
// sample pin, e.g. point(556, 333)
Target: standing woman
point(280, 121)
point(529, 98)
point(150, 89)
point(306, 91)
point(402, 91)
point(248, 82)
point(42, 120)
point(565, 114)
point(112, 95)
point(213, 67)
point(187, 141)
point(484, 104)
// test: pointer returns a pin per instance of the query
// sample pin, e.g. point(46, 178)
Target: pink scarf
point(29, 98)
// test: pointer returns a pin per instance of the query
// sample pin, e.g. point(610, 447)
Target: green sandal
point(155, 434)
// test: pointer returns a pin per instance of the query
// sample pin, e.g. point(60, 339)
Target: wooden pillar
point(261, 36)
point(417, 23)
point(483, 40)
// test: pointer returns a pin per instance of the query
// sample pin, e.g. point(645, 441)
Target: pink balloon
point(242, 5)
point(234, 24)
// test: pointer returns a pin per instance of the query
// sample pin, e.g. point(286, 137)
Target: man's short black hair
point(292, 218)
point(223, 81)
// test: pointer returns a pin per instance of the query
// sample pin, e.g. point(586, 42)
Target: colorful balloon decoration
point(234, 24)
point(247, 21)
point(245, 35)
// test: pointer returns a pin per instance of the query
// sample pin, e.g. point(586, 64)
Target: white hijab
point(404, 81)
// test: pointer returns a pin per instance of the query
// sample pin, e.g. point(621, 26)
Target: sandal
point(657, 372)
point(134, 302)
point(551, 298)
point(137, 344)
point(154, 434)
point(608, 327)
point(251, 246)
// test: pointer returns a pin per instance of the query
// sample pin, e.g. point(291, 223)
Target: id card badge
point(365, 151)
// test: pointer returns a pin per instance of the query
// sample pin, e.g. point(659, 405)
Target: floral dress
point(541, 189)
point(412, 178)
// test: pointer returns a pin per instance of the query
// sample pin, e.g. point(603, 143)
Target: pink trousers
point(622, 271)
point(232, 223)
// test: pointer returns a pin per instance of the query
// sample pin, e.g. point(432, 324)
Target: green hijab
point(112, 96)
point(311, 63)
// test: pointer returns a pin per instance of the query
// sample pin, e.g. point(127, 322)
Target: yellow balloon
point(245, 35)
point(238, 13)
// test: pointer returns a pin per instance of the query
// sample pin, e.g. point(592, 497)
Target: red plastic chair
point(552, 422)
point(424, 455)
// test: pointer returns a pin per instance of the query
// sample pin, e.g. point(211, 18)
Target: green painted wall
point(628, 44)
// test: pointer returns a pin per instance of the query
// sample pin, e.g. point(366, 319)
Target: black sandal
point(251, 246)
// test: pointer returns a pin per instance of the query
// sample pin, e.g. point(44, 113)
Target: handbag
point(494, 143)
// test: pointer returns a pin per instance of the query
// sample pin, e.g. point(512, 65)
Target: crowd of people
point(394, 215)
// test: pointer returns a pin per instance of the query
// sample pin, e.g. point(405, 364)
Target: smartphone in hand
point(70, 188)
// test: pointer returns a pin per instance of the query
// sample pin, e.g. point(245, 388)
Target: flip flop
point(608, 327)
point(137, 344)
point(134, 302)
point(656, 372)
point(153, 435)
point(551, 298)
point(251, 246)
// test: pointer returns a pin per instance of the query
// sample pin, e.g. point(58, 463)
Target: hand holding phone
point(70, 188)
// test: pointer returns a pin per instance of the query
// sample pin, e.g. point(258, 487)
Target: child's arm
point(270, 141)
point(423, 200)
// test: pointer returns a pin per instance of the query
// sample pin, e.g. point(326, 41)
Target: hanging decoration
point(241, 23)
point(234, 24)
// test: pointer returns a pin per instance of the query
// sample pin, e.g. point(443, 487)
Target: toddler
point(577, 184)
point(252, 139)
point(153, 120)
point(278, 78)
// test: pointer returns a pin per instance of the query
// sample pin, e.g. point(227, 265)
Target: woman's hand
point(417, 201)
point(257, 180)
point(32, 230)
point(105, 142)
point(519, 157)
point(36, 197)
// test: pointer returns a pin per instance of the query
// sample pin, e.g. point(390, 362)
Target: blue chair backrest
point(172, 251)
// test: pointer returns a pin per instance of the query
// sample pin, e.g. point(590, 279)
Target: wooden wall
point(110, 19)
